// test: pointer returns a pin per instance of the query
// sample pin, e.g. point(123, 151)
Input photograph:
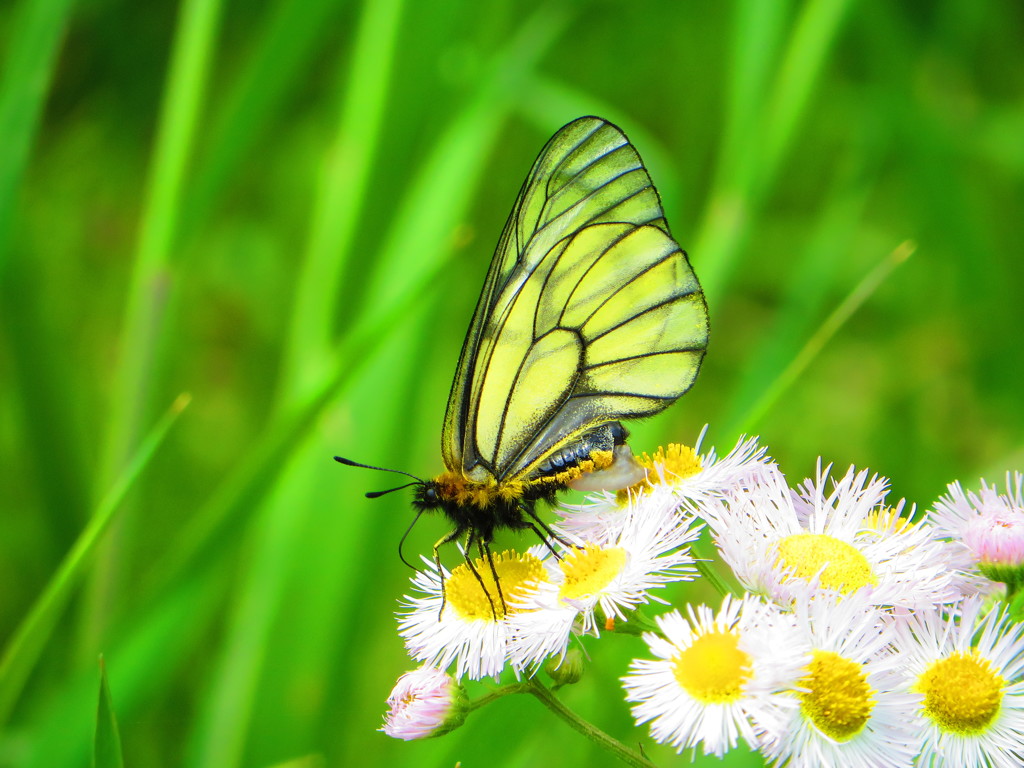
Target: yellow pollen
point(713, 669)
point(962, 693)
point(516, 573)
point(678, 461)
point(843, 568)
point(838, 700)
point(887, 520)
point(590, 569)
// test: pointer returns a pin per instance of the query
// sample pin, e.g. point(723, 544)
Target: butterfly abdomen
point(591, 452)
point(472, 503)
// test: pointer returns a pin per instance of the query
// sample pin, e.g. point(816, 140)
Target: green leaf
point(106, 747)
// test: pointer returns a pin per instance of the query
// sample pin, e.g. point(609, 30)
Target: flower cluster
point(539, 602)
point(866, 634)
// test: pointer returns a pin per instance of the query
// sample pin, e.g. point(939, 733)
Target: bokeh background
point(287, 209)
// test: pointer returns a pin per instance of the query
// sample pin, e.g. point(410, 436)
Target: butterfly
point(590, 313)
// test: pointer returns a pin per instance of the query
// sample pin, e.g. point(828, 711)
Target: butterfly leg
point(474, 538)
point(548, 533)
point(485, 549)
point(446, 539)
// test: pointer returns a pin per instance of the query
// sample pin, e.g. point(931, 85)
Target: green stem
point(1015, 599)
point(592, 732)
point(709, 572)
point(637, 622)
point(496, 694)
point(553, 703)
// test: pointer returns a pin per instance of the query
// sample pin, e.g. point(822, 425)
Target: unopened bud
point(569, 669)
point(424, 703)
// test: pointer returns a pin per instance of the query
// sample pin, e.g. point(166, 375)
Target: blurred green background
point(286, 209)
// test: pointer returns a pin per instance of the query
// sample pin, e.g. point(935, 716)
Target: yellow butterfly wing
point(590, 311)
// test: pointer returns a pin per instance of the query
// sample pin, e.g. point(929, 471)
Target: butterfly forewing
point(590, 311)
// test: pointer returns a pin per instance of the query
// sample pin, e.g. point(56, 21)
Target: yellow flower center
point(838, 699)
point(590, 569)
point(713, 669)
point(843, 568)
point(679, 462)
point(962, 693)
point(516, 574)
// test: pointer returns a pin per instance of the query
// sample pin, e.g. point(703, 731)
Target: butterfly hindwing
point(590, 311)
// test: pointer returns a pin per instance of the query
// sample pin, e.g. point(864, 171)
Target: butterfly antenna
point(350, 463)
point(376, 494)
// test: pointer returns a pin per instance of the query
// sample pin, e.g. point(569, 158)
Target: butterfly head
point(427, 496)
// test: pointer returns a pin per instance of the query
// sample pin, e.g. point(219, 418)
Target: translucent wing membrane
point(590, 311)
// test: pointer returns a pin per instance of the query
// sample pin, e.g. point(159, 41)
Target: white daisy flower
point(473, 630)
point(689, 475)
point(425, 702)
point(850, 712)
point(779, 543)
point(986, 528)
point(968, 670)
point(642, 548)
point(717, 678)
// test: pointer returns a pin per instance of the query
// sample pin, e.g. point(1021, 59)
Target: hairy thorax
point(456, 488)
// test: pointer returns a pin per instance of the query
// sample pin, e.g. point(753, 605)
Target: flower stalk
point(578, 724)
point(547, 697)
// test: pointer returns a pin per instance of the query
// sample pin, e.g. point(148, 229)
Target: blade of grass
point(29, 639)
point(453, 168)
point(186, 84)
point(106, 749)
point(290, 37)
point(767, 129)
point(756, 36)
point(32, 42)
point(811, 281)
point(802, 67)
point(144, 309)
point(33, 38)
point(860, 293)
point(43, 377)
point(340, 198)
point(155, 648)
